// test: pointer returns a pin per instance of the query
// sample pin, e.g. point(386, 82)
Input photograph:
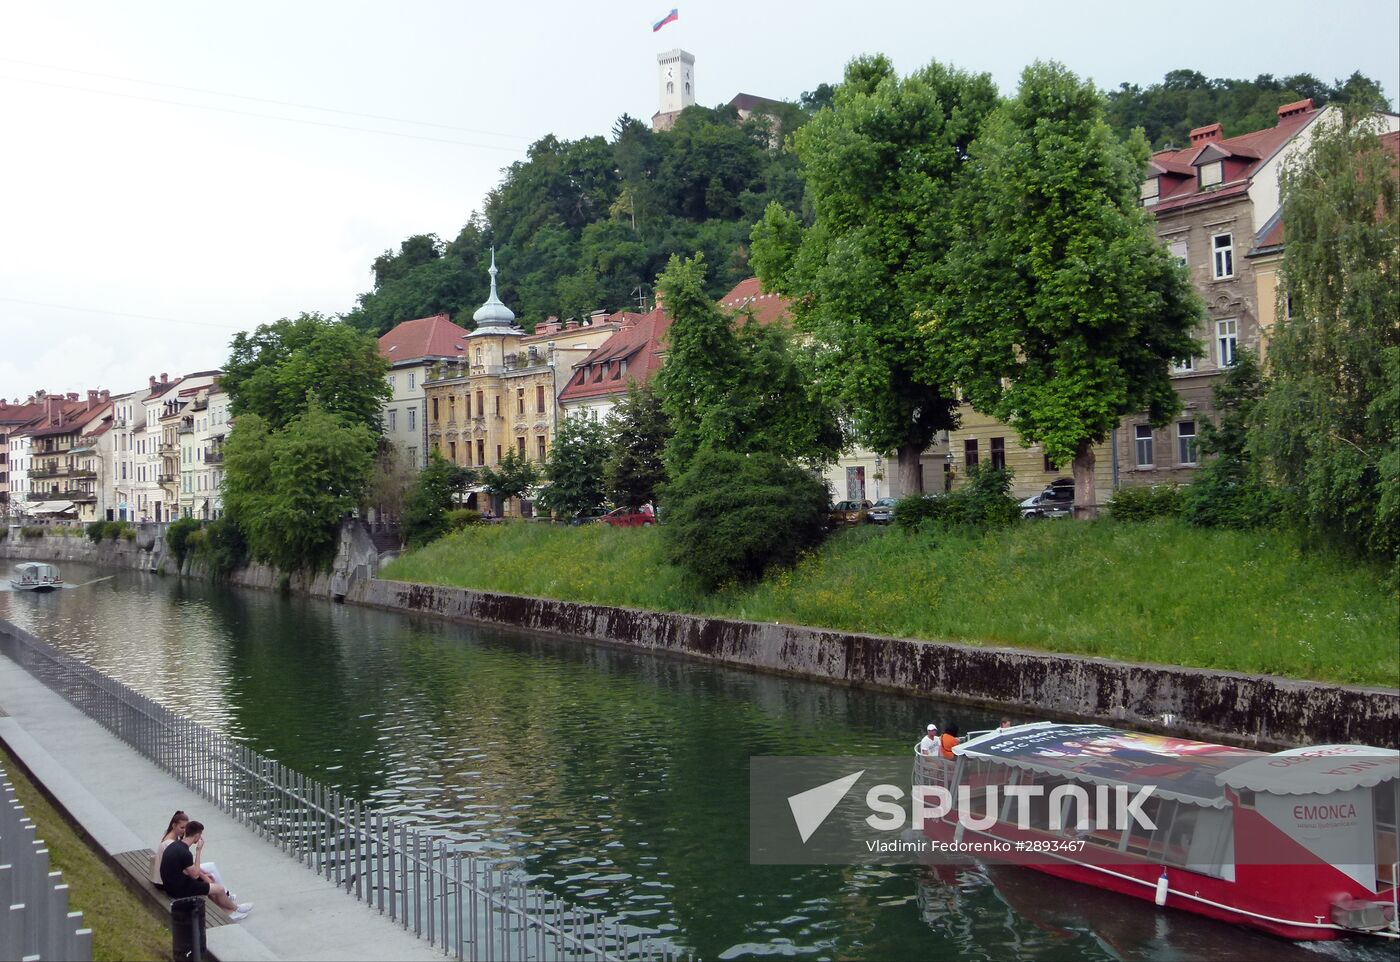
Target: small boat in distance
point(35, 576)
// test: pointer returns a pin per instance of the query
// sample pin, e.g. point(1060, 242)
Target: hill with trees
point(587, 224)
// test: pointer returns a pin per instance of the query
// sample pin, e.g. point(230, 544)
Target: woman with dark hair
point(948, 739)
point(176, 831)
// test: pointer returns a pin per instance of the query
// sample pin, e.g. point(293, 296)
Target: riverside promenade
point(123, 802)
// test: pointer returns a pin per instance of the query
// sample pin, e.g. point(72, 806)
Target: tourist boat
point(35, 576)
point(1300, 843)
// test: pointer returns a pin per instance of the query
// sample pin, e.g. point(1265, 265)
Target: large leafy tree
point(290, 488)
point(512, 477)
point(576, 465)
point(436, 491)
point(636, 467)
point(882, 167)
point(275, 371)
point(1330, 422)
point(1059, 312)
point(734, 386)
point(731, 516)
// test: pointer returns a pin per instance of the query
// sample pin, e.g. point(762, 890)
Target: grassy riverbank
point(1159, 592)
point(123, 926)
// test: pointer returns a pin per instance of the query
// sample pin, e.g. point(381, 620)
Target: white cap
point(933, 728)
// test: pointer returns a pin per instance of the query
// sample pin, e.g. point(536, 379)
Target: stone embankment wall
point(1237, 708)
point(1227, 706)
point(146, 552)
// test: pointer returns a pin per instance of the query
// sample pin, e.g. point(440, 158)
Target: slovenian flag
point(671, 17)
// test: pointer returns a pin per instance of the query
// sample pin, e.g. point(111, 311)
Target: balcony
point(37, 474)
point(213, 455)
point(54, 447)
point(167, 478)
point(80, 496)
point(171, 449)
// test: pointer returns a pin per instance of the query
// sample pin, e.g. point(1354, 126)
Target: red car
point(627, 518)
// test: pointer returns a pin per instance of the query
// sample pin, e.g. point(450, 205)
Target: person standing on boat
point(928, 745)
point(948, 739)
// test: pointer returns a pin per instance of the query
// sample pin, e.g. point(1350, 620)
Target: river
point(617, 779)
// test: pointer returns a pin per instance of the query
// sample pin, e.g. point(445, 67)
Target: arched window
point(670, 87)
point(687, 88)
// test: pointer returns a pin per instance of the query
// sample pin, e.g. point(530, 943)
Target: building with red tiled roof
point(748, 296)
point(502, 394)
point(1216, 205)
point(631, 356)
point(412, 348)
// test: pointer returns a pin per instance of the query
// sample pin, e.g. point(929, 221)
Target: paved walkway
point(123, 801)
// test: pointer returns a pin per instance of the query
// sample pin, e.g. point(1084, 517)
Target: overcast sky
point(147, 213)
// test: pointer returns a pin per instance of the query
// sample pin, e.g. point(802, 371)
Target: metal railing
point(456, 900)
point(34, 919)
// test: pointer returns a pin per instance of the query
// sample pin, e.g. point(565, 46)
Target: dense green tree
point(734, 386)
point(638, 430)
point(1229, 489)
point(1330, 422)
point(436, 491)
point(731, 516)
point(576, 466)
point(513, 477)
point(1059, 311)
point(1185, 99)
point(276, 370)
point(882, 167)
point(290, 488)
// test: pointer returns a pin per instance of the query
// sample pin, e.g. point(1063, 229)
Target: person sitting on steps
point(182, 878)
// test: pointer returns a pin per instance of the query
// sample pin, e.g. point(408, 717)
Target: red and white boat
point(1301, 843)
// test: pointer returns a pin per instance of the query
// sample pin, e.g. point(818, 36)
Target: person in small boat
point(928, 745)
point(948, 739)
point(1005, 723)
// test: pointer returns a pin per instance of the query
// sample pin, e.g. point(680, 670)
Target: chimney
point(92, 399)
point(660, 297)
point(153, 382)
point(72, 395)
point(1208, 133)
point(598, 317)
point(104, 394)
point(1295, 108)
point(626, 320)
point(164, 378)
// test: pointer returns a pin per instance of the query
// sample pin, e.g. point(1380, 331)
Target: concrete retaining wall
point(146, 552)
point(1226, 706)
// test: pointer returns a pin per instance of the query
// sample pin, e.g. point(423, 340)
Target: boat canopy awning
point(1176, 768)
point(1319, 770)
point(51, 507)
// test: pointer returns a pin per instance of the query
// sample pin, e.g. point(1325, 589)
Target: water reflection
point(616, 778)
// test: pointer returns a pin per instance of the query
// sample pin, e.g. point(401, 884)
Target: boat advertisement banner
point(1031, 799)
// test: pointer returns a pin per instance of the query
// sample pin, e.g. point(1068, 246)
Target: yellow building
point(980, 439)
point(502, 393)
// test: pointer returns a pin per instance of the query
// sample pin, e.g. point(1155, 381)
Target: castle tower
point(675, 78)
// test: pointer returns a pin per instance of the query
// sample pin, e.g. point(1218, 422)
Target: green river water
point(617, 779)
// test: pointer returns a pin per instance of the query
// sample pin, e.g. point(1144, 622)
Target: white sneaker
point(240, 915)
point(245, 907)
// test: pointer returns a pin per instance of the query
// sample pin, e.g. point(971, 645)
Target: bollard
point(187, 929)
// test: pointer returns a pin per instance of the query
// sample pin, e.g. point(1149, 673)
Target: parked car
point(627, 518)
point(881, 512)
point(588, 516)
point(1056, 501)
point(847, 512)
